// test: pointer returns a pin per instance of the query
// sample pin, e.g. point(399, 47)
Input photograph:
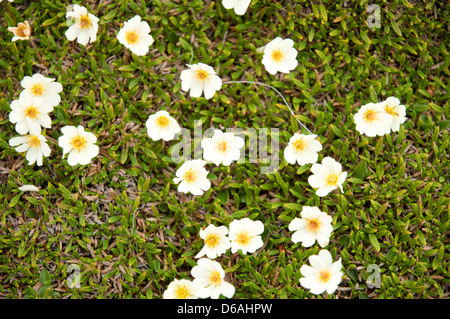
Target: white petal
point(323, 191)
point(28, 188)
point(72, 32)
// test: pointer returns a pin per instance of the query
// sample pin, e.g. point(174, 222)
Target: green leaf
point(361, 170)
point(45, 291)
point(373, 94)
point(223, 196)
point(374, 241)
point(14, 200)
point(44, 277)
point(293, 206)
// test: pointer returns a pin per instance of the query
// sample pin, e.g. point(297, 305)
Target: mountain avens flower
point(42, 88)
point(210, 280)
point(222, 148)
point(245, 234)
point(239, 6)
point(302, 149)
point(79, 144)
point(180, 289)
point(372, 120)
point(393, 107)
point(314, 225)
point(327, 176)
point(200, 78)
point(192, 177)
point(135, 35)
point(35, 144)
point(83, 25)
point(216, 241)
point(30, 114)
point(21, 32)
point(162, 126)
point(280, 56)
point(323, 274)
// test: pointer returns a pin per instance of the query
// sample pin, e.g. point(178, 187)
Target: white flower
point(209, 280)
point(327, 176)
point(239, 6)
point(162, 126)
point(180, 289)
point(280, 55)
point(135, 35)
point(372, 120)
point(46, 90)
point(222, 148)
point(323, 274)
point(30, 114)
point(28, 188)
point(200, 78)
point(314, 225)
point(21, 32)
point(216, 241)
point(244, 235)
point(393, 107)
point(302, 149)
point(193, 177)
point(8, 0)
point(35, 144)
point(79, 144)
point(84, 25)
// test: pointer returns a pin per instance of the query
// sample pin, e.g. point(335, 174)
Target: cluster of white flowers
point(380, 118)
point(134, 35)
point(323, 274)
point(222, 148)
point(30, 113)
point(242, 235)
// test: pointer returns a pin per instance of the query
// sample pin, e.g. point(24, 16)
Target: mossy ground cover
point(121, 221)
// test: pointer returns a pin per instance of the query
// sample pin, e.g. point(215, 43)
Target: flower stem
point(37, 52)
point(126, 56)
point(284, 100)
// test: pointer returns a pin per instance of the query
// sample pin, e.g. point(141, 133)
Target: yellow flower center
point(390, 110)
point(313, 224)
point(215, 278)
point(78, 142)
point(37, 89)
point(162, 121)
point(243, 238)
point(202, 75)
point(132, 37)
point(324, 275)
point(370, 116)
point(332, 179)
point(189, 176)
point(299, 145)
point(31, 112)
point(182, 292)
point(34, 141)
point(212, 240)
point(23, 30)
point(222, 146)
point(277, 55)
point(85, 22)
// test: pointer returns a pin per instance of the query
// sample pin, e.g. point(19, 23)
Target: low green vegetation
point(122, 223)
